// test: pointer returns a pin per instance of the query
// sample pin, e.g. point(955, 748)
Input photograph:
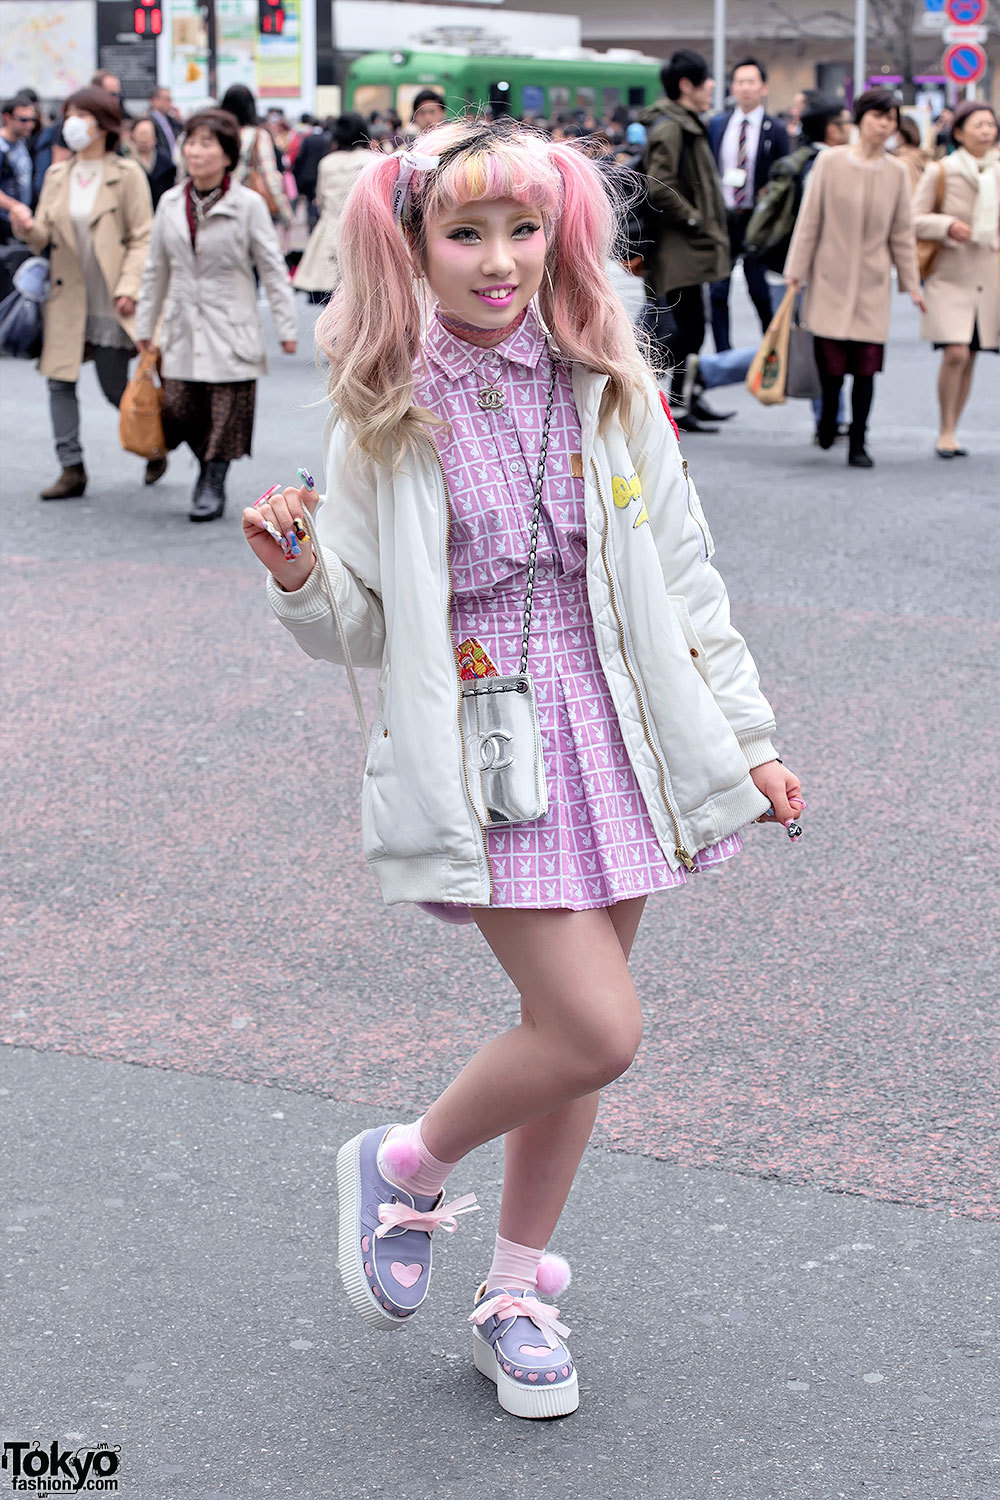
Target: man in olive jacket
point(688, 216)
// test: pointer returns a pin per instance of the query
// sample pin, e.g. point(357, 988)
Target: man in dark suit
point(745, 142)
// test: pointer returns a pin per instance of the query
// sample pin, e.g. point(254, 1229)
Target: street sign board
point(964, 63)
point(966, 12)
point(954, 34)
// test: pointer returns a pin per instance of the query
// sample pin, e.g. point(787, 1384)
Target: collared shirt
point(729, 151)
point(490, 458)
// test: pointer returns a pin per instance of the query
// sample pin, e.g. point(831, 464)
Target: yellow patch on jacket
point(624, 491)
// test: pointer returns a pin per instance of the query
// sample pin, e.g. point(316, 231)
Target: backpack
point(769, 232)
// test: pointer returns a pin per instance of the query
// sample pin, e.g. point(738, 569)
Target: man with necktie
point(746, 142)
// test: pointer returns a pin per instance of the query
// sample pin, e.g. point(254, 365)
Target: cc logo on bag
point(492, 755)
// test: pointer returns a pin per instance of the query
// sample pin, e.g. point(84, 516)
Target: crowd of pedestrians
point(827, 199)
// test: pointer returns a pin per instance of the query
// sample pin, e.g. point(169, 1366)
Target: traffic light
point(270, 17)
point(147, 19)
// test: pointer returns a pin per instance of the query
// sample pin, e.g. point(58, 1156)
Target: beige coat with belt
point(211, 326)
point(854, 224)
point(120, 223)
point(318, 270)
point(964, 287)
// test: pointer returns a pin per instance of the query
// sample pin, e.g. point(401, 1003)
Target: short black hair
point(882, 100)
point(426, 96)
point(683, 64)
point(351, 133)
point(224, 126)
point(820, 111)
point(239, 101)
point(750, 62)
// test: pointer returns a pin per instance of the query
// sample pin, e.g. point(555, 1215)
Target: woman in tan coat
point(318, 272)
point(963, 288)
point(95, 212)
point(854, 225)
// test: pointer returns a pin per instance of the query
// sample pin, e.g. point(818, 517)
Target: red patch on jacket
point(670, 416)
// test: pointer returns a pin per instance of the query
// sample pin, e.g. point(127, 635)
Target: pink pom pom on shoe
point(553, 1275)
point(399, 1157)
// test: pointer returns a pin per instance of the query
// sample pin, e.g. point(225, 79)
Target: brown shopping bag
point(768, 373)
point(140, 418)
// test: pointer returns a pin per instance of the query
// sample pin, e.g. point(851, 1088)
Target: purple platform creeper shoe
point(384, 1245)
point(518, 1342)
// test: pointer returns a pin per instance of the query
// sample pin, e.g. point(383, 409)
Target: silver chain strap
point(535, 518)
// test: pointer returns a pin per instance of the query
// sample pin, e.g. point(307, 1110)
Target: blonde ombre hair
point(371, 330)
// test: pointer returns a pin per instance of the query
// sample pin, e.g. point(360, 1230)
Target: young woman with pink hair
point(502, 478)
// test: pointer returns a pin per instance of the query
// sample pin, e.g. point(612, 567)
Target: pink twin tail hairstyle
point(371, 330)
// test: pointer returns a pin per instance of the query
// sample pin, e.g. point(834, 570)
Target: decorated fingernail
point(267, 495)
point(793, 829)
point(307, 479)
point(273, 531)
point(298, 526)
point(294, 550)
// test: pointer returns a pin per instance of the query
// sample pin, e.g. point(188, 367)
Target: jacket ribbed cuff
point(757, 747)
point(310, 601)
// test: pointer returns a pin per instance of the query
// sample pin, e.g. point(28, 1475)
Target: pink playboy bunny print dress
point(595, 846)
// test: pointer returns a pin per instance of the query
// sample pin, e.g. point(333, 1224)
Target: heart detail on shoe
point(406, 1275)
point(540, 1349)
point(532, 1374)
point(550, 1375)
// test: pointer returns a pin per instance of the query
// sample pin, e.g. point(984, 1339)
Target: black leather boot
point(69, 486)
point(209, 498)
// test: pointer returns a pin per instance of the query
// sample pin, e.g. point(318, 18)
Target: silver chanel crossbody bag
point(504, 765)
point(504, 768)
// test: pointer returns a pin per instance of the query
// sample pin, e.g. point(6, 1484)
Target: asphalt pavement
point(784, 1236)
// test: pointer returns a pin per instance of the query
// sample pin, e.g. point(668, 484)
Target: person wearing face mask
point(854, 226)
point(957, 204)
point(96, 215)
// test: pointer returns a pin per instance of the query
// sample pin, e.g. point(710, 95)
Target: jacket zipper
point(691, 513)
point(458, 710)
point(680, 852)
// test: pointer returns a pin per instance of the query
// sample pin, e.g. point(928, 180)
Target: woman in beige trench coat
point(96, 213)
point(963, 288)
point(854, 225)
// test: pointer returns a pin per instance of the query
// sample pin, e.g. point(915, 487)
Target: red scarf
point(192, 217)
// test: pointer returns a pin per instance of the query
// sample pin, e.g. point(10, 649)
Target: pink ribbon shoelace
point(404, 1216)
point(502, 1305)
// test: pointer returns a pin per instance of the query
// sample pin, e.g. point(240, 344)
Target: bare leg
point(584, 1028)
point(541, 1158)
point(956, 371)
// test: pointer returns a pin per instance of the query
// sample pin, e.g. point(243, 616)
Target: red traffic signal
point(148, 18)
point(270, 17)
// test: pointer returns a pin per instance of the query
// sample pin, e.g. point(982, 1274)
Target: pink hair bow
point(409, 162)
point(503, 1305)
point(404, 1216)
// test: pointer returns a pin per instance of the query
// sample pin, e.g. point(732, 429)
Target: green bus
point(538, 84)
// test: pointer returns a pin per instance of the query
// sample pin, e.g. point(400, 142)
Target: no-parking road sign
point(966, 12)
point(965, 62)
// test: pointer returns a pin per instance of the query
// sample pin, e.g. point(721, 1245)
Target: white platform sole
point(350, 1260)
point(525, 1400)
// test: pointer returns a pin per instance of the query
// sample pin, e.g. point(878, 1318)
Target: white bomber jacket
point(688, 697)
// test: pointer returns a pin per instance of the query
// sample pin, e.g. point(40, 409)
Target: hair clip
point(409, 162)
